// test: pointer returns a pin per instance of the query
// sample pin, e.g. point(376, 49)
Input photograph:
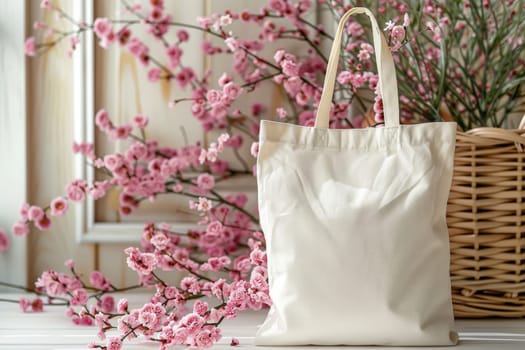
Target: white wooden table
point(53, 330)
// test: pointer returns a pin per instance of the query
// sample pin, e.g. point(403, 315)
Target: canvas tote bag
point(354, 220)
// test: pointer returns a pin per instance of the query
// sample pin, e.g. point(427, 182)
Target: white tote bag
point(354, 220)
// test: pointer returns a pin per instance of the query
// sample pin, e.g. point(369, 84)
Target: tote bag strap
point(385, 68)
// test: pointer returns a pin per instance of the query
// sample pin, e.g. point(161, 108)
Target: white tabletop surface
point(53, 330)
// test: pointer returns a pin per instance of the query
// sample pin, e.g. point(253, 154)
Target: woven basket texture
point(485, 215)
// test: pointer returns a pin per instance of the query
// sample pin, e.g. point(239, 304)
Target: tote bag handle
point(385, 68)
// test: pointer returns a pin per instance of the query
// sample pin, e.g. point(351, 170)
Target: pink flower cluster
point(69, 289)
point(35, 305)
point(168, 250)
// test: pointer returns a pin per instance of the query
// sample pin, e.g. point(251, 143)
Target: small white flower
point(232, 44)
point(389, 25)
point(225, 20)
point(204, 204)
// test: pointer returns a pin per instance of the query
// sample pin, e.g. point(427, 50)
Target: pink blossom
point(183, 36)
point(120, 133)
point(302, 99)
point(114, 343)
point(79, 297)
point(177, 188)
point(290, 68)
point(204, 204)
point(216, 263)
point(99, 281)
point(242, 263)
point(20, 228)
point(232, 43)
point(76, 191)
point(122, 306)
point(4, 241)
point(24, 304)
point(203, 156)
point(203, 339)
point(37, 305)
point(24, 208)
point(378, 110)
point(354, 29)
point(106, 303)
point(154, 74)
point(184, 77)
point(29, 46)
point(192, 322)
point(231, 90)
point(46, 4)
point(102, 120)
point(43, 224)
point(398, 33)
point(139, 50)
point(281, 112)
point(204, 22)
point(235, 142)
point(123, 36)
point(174, 54)
point(177, 335)
point(357, 80)
point(279, 55)
point(84, 148)
point(143, 263)
point(82, 320)
point(258, 257)
point(140, 121)
point(74, 41)
point(59, 206)
point(460, 25)
point(215, 228)
point(258, 282)
point(35, 213)
point(213, 96)
point(234, 342)
point(102, 27)
point(406, 20)
point(99, 189)
point(219, 167)
point(50, 281)
point(205, 182)
point(225, 20)
point(200, 307)
point(150, 316)
point(221, 140)
point(211, 154)
point(69, 263)
point(278, 6)
point(224, 79)
point(190, 284)
point(363, 55)
point(160, 241)
point(239, 199)
point(113, 161)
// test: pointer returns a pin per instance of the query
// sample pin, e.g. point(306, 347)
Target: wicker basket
point(485, 216)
